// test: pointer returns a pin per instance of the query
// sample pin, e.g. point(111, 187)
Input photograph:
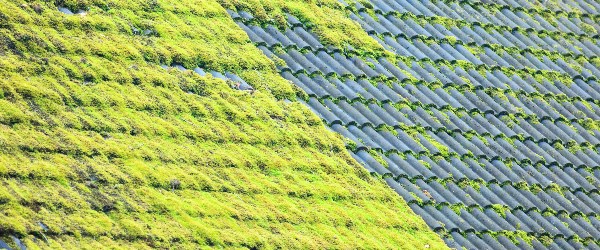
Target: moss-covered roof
point(101, 147)
point(484, 118)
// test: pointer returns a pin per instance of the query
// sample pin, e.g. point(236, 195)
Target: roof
point(102, 147)
point(484, 118)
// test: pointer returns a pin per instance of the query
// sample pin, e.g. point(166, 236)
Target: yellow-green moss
point(93, 134)
point(327, 19)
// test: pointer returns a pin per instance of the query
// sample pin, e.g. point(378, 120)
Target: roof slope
point(101, 147)
point(484, 119)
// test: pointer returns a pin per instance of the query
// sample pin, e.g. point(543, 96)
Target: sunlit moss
point(95, 133)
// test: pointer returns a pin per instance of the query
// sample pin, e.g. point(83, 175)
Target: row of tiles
point(456, 240)
point(475, 35)
point(476, 14)
point(489, 220)
point(585, 6)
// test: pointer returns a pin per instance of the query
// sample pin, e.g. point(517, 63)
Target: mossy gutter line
point(504, 209)
point(419, 20)
point(449, 156)
point(543, 12)
point(544, 238)
point(467, 134)
point(522, 185)
point(447, 22)
point(553, 55)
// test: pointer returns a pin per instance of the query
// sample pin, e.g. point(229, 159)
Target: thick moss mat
point(100, 147)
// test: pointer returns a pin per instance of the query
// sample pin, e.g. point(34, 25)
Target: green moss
point(522, 185)
point(590, 180)
point(444, 150)
point(548, 212)
point(451, 39)
point(378, 158)
point(555, 188)
point(426, 164)
point(388, 128)
point(371, 65)
point(350, 144)
point(558, 146)
point(474, 50)
point(587, 105)
point(546, 240)
point(475, 184)
point(457, 208)
point(444, 21)
point(416, 197)
point(513, 235)
point(588, 28)
point(595, 61)
point(109, 150)
point(500, 209)
point(535, 188)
